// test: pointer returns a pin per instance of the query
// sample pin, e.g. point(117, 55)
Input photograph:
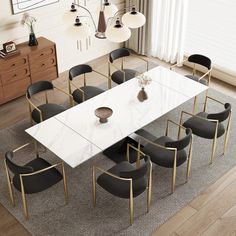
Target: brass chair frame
point(216, 128)
point(189, 158)
point(33, 106)
point(111, 64)
point(131, 201)
point(204, 76)
point(10, 182)
point(71, 83)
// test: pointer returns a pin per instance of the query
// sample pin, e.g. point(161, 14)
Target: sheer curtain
point(169, 20)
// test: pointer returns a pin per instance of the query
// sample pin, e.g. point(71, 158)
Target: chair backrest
point(79, 70)
point(14, 168)
point(119, 53)
point(201, 60)
point(221, 116)
point(139, 172)
point(181, 143)
point(39, 86)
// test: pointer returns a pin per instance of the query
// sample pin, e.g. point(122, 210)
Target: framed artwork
point(19, 6)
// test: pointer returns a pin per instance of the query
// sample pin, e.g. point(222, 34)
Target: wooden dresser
point(31, 65)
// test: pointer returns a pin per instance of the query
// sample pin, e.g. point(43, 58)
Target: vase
point(142, 95)
point(33, 40)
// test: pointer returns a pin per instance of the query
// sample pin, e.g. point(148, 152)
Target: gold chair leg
point(94, 187)
point(9, 183)
point(194, 104)
point(65, 183)
point(213, 150)
point(131, 204)
point(189, 162)
point(24, 199)
point(174, 173)
point(149, 191)
point(227, 134)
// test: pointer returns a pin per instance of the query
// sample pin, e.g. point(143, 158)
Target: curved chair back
point(181, 143)
point(39, 86)
point(79, 70)
point(201, 60)
point(139, 172)
point(119, 53)
point(221, 116)
point(14, 168)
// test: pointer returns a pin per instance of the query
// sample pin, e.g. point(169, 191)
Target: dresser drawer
point(49, 74)
point(15, 75)
point(13, 63)
point(16, 89)
point(40, 66)
point(42, 54)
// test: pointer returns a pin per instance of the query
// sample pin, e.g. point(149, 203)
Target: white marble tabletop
point(175, 81)
point(77, 135)
point(63, 141)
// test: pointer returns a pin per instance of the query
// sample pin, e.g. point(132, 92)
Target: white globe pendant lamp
point(118, 33)
point(81, 31)
point(109, 9)
point(133, 19)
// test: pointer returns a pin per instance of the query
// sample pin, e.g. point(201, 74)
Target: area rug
point(50, 216)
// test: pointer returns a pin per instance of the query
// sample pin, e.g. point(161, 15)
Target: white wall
point(53, 22)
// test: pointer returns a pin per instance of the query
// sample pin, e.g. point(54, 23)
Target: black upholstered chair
point(168, 152)
point(198, 60)
point(33, 177)
point(47, 110)
point(124, 180)
point(121, 74)
point(86, 92)
point(209, 125)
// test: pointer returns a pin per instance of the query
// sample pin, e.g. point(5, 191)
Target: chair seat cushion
point(121, 188)
point(89, 92)
point(203, 128)
point(39, 182)
point(164, 157)
point(48, 110)
point(117, 76)
point(117, 152)
point(196, 78)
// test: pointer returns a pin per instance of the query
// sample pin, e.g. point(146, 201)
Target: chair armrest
point(178, 64)
point(62, 91)
point(35, 107)
point(82, 92)
point(42, 170)
point(172, 122)
point(136, 149)
point(192, 115)
point(208, 72)
point(157, 145)
point(140, 58)
point(110, 174)
point(21, 147)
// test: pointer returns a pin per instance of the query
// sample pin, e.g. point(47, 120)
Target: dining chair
point(33, 177)
point(81, 94)
point(125, 180)
point(46, 110)
point(209, 125)
point(122, 74)
point(168, 152)
point(198, 60)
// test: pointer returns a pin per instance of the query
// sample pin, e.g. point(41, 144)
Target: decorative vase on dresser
point(31, 65)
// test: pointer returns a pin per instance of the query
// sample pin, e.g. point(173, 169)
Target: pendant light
point(118, 33)
point(109, 9)
point(133, 19)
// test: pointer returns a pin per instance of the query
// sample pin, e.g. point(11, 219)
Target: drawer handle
point(43, 64)
point(14, 75)
point(41, 54)
point(13, 65)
